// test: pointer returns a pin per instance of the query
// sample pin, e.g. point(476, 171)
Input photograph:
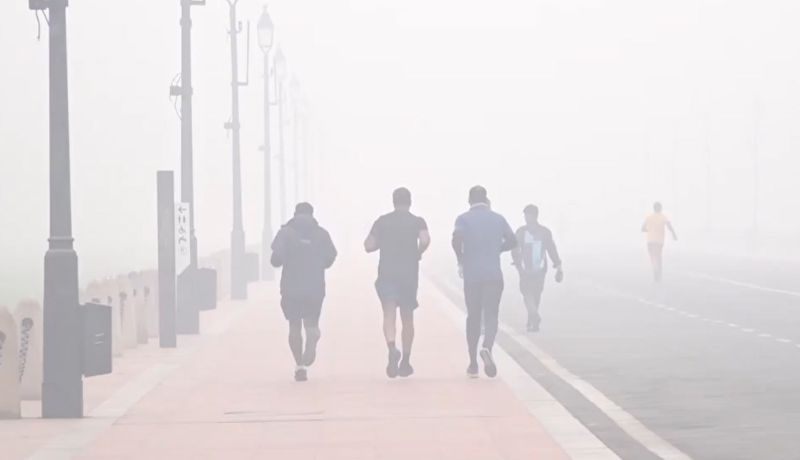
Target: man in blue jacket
point(480, 236)
point(305, 251)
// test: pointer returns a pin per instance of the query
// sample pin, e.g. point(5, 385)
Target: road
point(707, 362)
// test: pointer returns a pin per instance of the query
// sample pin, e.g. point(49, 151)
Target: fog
point(590, 109)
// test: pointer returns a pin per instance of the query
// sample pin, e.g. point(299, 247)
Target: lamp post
point(266, 34)
point(62, 385)
point(294, 86)
point(188, 321)
point(280, 76)
point(238, 265)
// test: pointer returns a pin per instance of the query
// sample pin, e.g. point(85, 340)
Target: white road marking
point(690, 315)
point(575, 438)
point(737, 283)
point(622, 418)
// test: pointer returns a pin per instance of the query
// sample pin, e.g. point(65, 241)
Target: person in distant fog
point(402, 238)
point(305, 250)
point(480, 236)
point(534, 244)
point(655, 225)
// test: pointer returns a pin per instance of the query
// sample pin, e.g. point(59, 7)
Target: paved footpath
point(231, 395)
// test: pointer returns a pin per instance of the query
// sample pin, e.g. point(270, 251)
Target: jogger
point(534, 244)
point(480, 236)
point(401, 238)
point(305, 251)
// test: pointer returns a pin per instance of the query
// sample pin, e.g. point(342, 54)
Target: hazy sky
point(587, 107)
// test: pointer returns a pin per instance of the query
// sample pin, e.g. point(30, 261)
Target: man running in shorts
point(534, 244)
point(655, 225)
point(402, 238)
point(480, 236)
point(305, 251)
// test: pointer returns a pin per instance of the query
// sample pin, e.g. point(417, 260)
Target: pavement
point(229, 394)
point(703, 366)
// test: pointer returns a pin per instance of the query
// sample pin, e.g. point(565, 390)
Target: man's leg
point(527, 297)
point(311, 324)
point(407, 317)
point(492, 294)
point(537, 287)
point(473, 293)
point(296, 345)
point(388, 297)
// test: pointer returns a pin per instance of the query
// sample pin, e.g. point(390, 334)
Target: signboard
point(183, 248)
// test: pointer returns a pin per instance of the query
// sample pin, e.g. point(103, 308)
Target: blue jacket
point(479, 238)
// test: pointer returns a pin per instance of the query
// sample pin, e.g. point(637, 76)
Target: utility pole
point(62, 386)
point(266, 31)
point(280, 76)
point(238, 266)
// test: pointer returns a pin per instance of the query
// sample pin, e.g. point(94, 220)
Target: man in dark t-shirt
point(401, 238)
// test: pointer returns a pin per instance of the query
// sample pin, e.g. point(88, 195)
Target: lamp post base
point(238, 266)
point(62, 387)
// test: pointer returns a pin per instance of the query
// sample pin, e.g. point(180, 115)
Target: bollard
point(151, 301)
point(9, 367)
point(108, 296)
point(127, 312)
point(28, 319)
point(135, 280)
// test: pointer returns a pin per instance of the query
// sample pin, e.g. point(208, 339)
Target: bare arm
point(371, 243)
point(644, 227)
point(672, 230)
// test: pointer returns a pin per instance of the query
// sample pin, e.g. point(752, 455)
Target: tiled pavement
point(234, 396)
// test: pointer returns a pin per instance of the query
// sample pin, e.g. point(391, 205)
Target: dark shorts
point(298, 308)
point(402, 294)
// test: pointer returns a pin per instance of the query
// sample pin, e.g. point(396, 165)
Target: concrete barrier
point(137, 288)
point(9, 366)
point(150, 291)
point(108, 294)
point(128, 312)
point(28, 318)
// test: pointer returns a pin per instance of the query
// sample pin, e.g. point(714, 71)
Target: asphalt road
point(709, 360)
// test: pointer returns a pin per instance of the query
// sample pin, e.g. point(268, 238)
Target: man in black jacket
point(534, 244)
point(305, 251)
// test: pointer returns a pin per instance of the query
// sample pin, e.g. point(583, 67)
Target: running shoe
point(394, 360)
point(489, 366)
point(472, 371)
point(405, 369)
point(300, 374)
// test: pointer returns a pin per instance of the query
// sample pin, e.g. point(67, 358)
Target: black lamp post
point(239, 273)
point(296, 94)
point(62, 387)
point(266, 33)
point(280, 76)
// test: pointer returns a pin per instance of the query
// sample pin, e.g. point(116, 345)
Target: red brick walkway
point(235, 397)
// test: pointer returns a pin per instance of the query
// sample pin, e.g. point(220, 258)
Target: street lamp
point(239, 266)
point(62, 386)
point(296, 95)
point(280, 77)
point(266, 33)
